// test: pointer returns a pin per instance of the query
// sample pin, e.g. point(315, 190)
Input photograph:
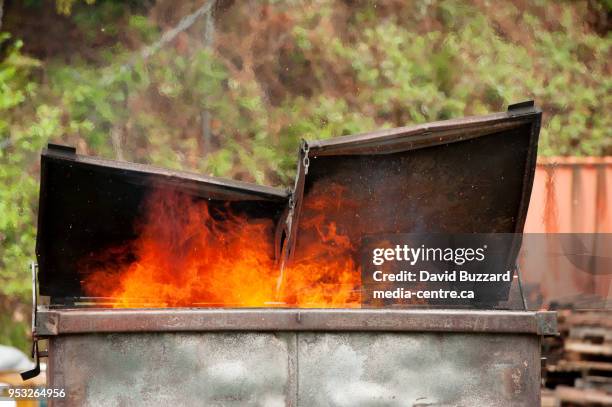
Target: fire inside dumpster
point(189, 253)
point(125, 235)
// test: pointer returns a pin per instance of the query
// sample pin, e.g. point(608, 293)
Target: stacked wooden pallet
point(579, 361)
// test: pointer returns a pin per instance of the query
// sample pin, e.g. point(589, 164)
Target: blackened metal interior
point(473, 186)
point(88, 205)
point(476, 182)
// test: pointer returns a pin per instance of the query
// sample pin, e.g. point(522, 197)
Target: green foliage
point(20, 142)
point(404, 75)
point(14, 333)
point(65, 6)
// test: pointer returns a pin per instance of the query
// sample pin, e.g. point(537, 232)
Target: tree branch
point(171, 34)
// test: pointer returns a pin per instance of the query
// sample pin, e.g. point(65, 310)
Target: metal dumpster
point(295, 332)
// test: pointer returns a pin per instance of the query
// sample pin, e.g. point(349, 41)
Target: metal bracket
point(36, 354)
point(33, 271)
point(36, 371)
point(61, 148)
point(518, 109)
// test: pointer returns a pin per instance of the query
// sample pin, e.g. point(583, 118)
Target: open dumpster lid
point(87, 204)
point(470, 175)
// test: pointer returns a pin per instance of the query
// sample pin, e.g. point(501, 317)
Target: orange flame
point(186, 254)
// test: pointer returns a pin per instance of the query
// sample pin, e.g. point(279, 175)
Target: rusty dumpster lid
point(468, 175)
point(86, 203)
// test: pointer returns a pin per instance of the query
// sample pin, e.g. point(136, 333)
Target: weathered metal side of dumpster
point(295, 357)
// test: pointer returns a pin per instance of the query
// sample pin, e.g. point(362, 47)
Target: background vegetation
point(230, 91)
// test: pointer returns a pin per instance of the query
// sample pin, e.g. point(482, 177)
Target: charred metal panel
point(473, 186)
point(471, 175)
point(89, 204)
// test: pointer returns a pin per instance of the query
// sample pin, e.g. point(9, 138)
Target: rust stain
point(550, 207)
